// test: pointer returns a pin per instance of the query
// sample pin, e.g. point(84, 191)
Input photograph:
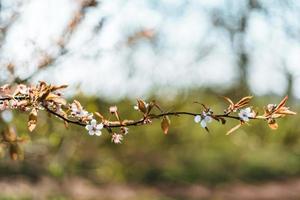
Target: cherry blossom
point(116, 138)
point(203, 119)
point(113, 109)
point(94, 128)
point(246, 114)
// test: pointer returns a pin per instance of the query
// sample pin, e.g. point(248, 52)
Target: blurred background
point(174, 51)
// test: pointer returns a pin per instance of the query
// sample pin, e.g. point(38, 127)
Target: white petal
point(88, 127)
point(99, 126)
point(91, 132)
point(251, 115)
point(197, 119)
point(93, 122)
point(203, 123)
point(248, 110)
point(208, 119)
point(241, 115)
point(98, 133)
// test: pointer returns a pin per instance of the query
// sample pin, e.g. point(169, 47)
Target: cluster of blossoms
point(47, 97)
point(204, 118)
point(92, 126)
point(32, 99)
point(245, 114)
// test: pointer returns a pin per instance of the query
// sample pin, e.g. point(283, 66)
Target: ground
point(80, 188)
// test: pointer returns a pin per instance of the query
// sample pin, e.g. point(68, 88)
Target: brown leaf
point(78, 105)
point(165, 124)
point(99, 115)
point(9, 134)
point(273, 126)
point(54, 88)
point(66, 124)
point(282, 103)
point(142, 106)
point(151, 106)
point(244, 101)
point(229, 101)
point(234, 129)
point(15, 152)
point(32, 120)
point(223, 120)
point(55, 98)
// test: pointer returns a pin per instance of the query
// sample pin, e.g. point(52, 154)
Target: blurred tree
point(234, 19)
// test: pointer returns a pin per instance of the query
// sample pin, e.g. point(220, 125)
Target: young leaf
point(165, 124)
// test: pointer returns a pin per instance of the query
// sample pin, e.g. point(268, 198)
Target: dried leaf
point(206, 128)
point(99, 115)
point(223, 120)
point(66, 124)
point(78, 105)
point(142, 106)
point(165, 124)
point(151, 106)
point(282, 103)
point(285, 111)
point(54, 88)
point(15, 152)
point(9, 134)
point(273, 126)
point(234, 129)
point(32, 120)
point(56, 98)
point(229, 101)
point(244, 101)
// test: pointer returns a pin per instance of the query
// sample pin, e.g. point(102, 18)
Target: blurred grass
point(186, 155)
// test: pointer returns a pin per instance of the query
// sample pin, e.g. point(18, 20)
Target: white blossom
point(203, 119)
point(206, 119)
point(94, 128)
point(197, 119)
point(7, 116)
point(117, 138)
point(246, 114)
point(113, 109)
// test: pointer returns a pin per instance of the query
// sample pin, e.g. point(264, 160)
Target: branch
point(49, 98)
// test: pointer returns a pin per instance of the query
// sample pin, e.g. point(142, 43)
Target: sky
point(188, 52)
